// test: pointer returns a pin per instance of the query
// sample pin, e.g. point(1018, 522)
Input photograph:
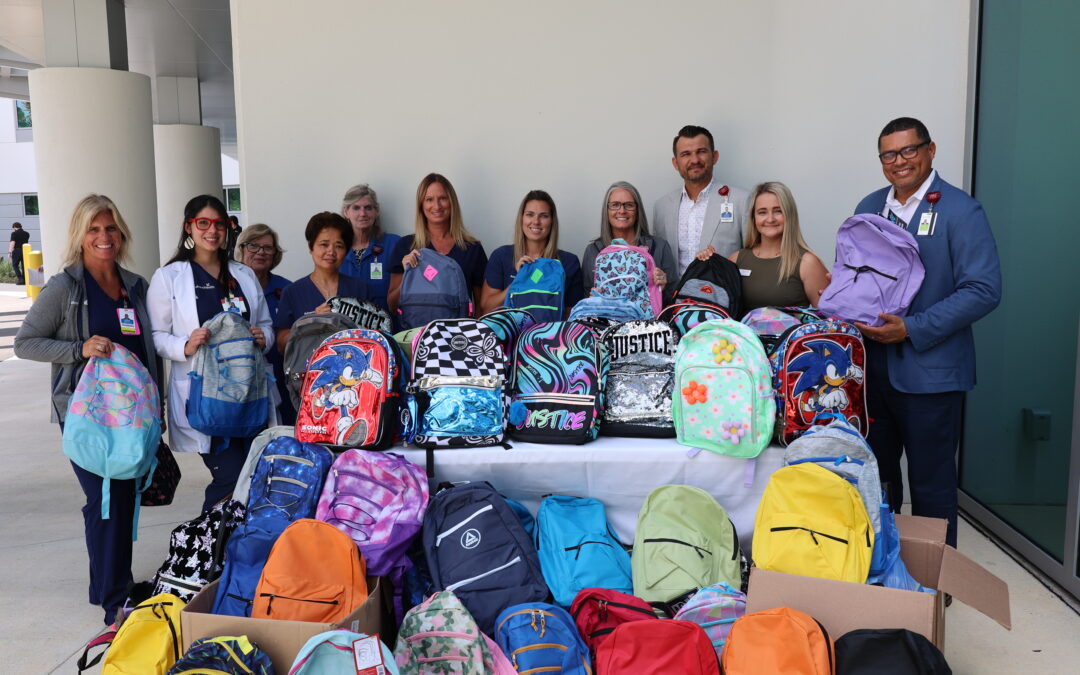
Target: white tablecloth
point(620, 472)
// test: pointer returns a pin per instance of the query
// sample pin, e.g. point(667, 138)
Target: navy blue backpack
point(287, 480)
point(476, 547)
point(245, 556)
point(225, 656)
point(434, 289)
point(539, 288)
point(539, 638)
point(578, 548)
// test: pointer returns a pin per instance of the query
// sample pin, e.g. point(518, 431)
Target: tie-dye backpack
point(508, 325)
point(440, 636)
point(715, 608)
point(559, 374)
point(723, 398)
point(113, 423)
point(229, 381)
point(625, 271)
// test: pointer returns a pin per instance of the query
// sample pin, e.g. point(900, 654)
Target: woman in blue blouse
point(536, 235)
point(369, 257)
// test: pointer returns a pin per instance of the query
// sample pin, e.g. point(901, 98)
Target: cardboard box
point(282, 640)
point(843, 606)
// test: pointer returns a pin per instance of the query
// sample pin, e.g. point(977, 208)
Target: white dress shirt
point(691, 220)
point(906, 211)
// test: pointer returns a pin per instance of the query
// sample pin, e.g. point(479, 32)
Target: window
point(22, 113)
point(232, 199)
point(30, 205)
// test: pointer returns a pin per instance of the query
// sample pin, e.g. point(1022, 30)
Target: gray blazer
point(726, 238)
point(59, 322)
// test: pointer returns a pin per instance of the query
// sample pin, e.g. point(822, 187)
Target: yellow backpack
point(813, 522)
point(147, 642)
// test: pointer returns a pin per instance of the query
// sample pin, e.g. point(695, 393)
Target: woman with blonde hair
point(439, 226)
point(78, 315)
point(369, 257)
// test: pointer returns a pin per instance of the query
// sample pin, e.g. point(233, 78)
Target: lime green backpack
point(813, 522)
point(684, 541)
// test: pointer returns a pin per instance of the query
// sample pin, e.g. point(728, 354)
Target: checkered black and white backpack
point(459, 382)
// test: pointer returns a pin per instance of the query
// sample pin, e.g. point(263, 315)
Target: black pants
point(17, 265)
point(108, 541)
point(225, 464)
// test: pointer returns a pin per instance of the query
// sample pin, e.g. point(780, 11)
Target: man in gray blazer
point(703, 212)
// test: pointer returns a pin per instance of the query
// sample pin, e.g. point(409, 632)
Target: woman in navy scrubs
point(369, 256)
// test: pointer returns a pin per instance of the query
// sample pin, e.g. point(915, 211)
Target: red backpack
point(597, 611)
point(657, 648)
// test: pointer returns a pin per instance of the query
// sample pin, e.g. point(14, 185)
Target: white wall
point(570, 96)
point(16, 159)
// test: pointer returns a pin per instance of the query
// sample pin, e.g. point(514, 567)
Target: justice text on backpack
point(877, 271)
point(287, 480)
point(539, 638)
point(440, 636)
point(559, 374)
point(780, 640)
point(147, 642)
point(434, 289)
point(812, 522)
point(625, 271)
point(715, 608)
point(245, 556)
point(313, 573)
point(715, 280)
point(307, 333)
point(818, 367)
point(197, 550)
point(597, 611)
point(476, 547)
point(340, 651)
point(658, 648)
point(225, 655)
point(459, 381)
point(508, 325)
point(687, 314)
point(684, 541)
point(229, 394)
point(351, 396)
point(612, 309)
point(888, 651)
point(113, 423)
point(723, 398)
point(365, 313)
point(539, 288)
point(641, 378)
point(578, 549)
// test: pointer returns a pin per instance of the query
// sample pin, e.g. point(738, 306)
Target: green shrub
point(7, 272)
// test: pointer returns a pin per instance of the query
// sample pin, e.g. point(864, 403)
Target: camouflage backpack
point(440, 636)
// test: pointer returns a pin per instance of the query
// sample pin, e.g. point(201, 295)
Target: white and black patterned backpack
point(641, 377)
point(197, 550)
point(459, 381)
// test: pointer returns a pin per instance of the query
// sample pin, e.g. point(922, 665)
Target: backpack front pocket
point(639, 393)
point(593, 561)
point(806, 546)
point(298, 599)
point(718, 409)
point(462, 406)
point(676, 565)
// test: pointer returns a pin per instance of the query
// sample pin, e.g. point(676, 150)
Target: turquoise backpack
point(538, 288)
point(113, 423)
point(338, 651)
point(723, 399)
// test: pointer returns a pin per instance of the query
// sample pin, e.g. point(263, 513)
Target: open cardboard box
point(282, 640)
point(843, 606)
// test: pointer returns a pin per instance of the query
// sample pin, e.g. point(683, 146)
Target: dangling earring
point(189, 243)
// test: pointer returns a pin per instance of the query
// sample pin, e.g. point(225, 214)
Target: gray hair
point(641, 225)
point(355, 194)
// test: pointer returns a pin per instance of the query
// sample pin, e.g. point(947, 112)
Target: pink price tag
point(430, 272)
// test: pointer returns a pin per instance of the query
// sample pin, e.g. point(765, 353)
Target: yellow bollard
point(35, 271)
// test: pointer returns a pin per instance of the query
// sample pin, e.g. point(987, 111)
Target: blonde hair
point(90, 207)
point(355, 194)
point(253, 232)
point(551, 250)
point(461, 236)
point(792, 244)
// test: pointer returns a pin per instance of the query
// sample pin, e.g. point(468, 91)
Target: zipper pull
point(543, 623)
point(813, 537)
point(532, 616)
point(603, 610)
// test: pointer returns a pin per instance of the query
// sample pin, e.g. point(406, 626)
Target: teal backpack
point(343, 651)
point(538, 288)
point(723, 399)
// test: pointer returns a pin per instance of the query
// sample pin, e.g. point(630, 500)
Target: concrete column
point(93, 132)
point(188, 163)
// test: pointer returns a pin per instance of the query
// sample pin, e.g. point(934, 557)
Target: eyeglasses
point(366, 208)
point(615, 206)
point(907, 153)
point(256, 248)
point(205, 223)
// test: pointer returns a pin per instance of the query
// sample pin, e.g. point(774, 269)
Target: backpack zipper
point(464, 582)
point(812, 533)
point(270, 602)
point(433, 382)
point(579, 547)
point(698, 549)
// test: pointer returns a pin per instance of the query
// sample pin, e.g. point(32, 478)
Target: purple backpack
point(877, 270)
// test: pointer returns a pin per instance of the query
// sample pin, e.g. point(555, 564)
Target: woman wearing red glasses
point(199, 282)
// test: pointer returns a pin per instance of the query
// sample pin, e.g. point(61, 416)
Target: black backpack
point(715, 280)
point(641, 377)
point(888, 651)
point(196, 550)
point(308, 332)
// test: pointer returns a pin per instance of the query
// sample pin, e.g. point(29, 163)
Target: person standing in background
point(19, 236)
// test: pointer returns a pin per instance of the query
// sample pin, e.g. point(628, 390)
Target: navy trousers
point(108, 541)
point(225, 464)
point(925, 427)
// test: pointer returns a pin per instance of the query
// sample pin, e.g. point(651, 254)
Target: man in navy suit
point(920, 365)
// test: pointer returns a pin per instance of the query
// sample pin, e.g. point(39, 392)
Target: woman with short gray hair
point(369, 257)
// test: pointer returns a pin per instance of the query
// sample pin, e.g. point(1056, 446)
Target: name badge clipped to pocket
point(927, 221)
point(368, 655)
point(376, 271)
point(727, 212)
point(234, 303)
point(129, 323)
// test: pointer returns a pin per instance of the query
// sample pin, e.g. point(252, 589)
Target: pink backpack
point(625, 271)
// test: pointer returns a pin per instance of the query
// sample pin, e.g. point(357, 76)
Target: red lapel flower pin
point(933, 198)
point(724, 190)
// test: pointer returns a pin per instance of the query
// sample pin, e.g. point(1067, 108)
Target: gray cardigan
point(59, 322)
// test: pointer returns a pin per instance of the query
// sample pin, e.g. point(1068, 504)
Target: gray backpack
point(229, 394)
point(434, 289)
point(640, 380)
point(308, 332)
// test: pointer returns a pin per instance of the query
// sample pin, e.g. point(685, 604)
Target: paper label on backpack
point(367, 653)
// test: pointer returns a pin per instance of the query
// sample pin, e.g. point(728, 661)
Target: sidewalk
point(45, 619)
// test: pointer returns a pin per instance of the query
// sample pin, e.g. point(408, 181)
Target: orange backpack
point(314, 573)
point(781, 640)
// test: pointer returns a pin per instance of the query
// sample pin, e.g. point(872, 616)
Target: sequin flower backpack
point(113, 423)
point(723, 399)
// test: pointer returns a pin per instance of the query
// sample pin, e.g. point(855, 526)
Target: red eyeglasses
point(205, 223)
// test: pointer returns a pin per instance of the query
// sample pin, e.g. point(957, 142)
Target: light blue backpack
point(539, 288)
point(434, 289)
point(343, 651)
point(578, 548)
point(229, 381)
point(615, 309)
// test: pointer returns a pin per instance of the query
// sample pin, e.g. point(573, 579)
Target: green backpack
point(684, 541)
point(723, 399)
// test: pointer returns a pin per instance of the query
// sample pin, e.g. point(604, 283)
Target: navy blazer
point(962, 285)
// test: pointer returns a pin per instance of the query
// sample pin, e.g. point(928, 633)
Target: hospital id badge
point(234, 304)
point(727, 213)
point(376, 271)
point(129, 324)
point(926, 223)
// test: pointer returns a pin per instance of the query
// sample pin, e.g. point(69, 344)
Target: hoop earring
point(189, 243)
